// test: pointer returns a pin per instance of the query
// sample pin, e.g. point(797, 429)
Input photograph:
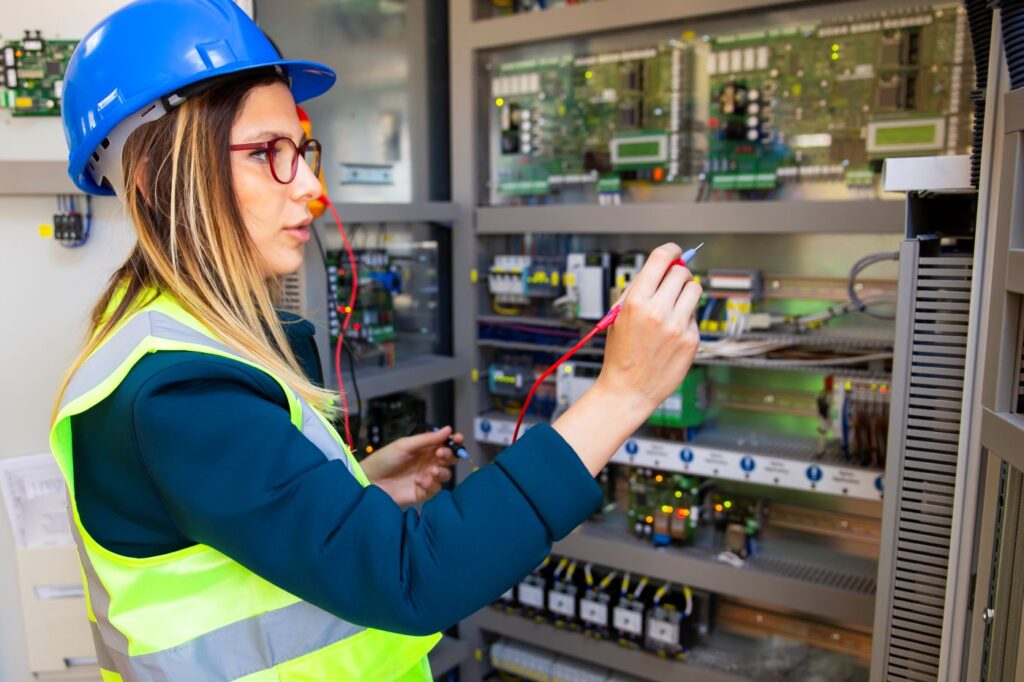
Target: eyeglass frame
point(300, 152)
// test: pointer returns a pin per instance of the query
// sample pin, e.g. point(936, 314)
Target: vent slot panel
point(938, 349)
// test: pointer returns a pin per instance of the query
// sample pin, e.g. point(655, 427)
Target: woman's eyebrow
point(271, 134)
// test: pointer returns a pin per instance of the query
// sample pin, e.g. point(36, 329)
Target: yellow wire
point(503, 310)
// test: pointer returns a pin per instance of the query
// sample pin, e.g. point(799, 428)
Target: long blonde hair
point(192, 242)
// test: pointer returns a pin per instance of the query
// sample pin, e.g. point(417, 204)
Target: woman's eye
point(259, 154)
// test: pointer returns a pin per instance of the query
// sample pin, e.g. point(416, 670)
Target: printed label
point(594, 612)
point(531, 595)
point(628, 621)
point(562, 604)
point(663, 631)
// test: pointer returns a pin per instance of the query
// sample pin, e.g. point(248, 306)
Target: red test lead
point(605, 322)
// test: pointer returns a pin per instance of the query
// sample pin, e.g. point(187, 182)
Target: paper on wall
point(33, 490)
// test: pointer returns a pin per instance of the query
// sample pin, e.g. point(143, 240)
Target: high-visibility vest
point(195, 614)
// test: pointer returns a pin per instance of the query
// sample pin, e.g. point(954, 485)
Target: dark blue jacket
point(192, 448)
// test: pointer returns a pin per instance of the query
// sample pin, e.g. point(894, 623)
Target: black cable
point(319, 244)
point(851, 282)
point(352, 371)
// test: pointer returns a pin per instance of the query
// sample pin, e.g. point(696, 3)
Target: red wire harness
point(605, 322)
point(346, 311)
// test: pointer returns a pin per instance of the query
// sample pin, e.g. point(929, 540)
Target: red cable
point(599, 327)
point(605, 322)
point(347, 312)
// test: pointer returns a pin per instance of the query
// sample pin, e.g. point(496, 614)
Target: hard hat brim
point(308, 80)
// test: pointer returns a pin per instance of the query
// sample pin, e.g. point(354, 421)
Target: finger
point(671, 287)
point(426, 439)
point(689, 299)
point(444, 475)
point(458, 438)
point(647, 280)
point(445, 456)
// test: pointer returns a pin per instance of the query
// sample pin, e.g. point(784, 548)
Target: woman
point(225, 531)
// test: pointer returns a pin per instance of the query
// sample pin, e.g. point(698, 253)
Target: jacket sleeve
point(235, 474)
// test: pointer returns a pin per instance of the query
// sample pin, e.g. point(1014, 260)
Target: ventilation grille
point(291, 294)
point(938, 354)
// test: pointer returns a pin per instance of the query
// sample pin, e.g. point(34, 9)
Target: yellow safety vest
point(195, 614)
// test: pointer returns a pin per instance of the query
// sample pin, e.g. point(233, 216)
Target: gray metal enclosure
point(948, 597)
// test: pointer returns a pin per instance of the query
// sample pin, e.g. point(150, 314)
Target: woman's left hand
point(412, 469)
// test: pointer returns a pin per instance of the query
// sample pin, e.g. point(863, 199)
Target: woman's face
point(277, 216)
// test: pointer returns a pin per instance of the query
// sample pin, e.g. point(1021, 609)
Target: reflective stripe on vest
point(257, 643)
point(118, 347)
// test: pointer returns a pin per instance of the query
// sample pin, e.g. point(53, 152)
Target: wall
point(45, 290)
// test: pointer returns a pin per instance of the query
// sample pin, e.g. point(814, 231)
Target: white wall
point(46, 290)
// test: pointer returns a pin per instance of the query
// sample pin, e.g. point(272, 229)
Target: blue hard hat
point(152, 51)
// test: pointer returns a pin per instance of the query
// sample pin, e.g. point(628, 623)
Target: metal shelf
point(878, 216)
point(415, 212)
point(808, 578)
point(610, 655)
point(839, 338)
point(421, 370)
point(1015, 271)
point(604, 15)
point(728, 454)
point(747, 363)
point(25, 178)
point(447, 655)
point(1013, 111)
point(1002, 433)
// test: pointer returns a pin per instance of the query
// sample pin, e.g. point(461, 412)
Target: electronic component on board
point(33, 74)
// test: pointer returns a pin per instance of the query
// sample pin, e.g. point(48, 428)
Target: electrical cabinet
point(804, 480)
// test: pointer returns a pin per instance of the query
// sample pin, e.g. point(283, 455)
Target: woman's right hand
point(650, 348)
point(654, 340)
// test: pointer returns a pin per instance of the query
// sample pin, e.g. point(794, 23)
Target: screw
point(988, 615)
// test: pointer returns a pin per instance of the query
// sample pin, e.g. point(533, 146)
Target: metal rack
point(989, 616)
point(700, 665)
point(789, 463)
point(878, 216)
point(788, 581)
point(420, 370)
point(792, 575)
point(24, 178)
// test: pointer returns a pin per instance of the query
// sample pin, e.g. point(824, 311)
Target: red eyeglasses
point(283, 156)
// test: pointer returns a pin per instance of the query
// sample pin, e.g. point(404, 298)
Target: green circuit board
point(588, 123)
point(830, 101)
point(33, 75)
point(786, 110)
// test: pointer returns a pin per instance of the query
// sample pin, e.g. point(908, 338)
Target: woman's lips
point(300, 232)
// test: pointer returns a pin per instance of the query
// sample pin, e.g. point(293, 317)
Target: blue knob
point(485, 426)
point(686, 455)
point(814, 473)
point(747, 464)
point(631, 447)
point(879, 483)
